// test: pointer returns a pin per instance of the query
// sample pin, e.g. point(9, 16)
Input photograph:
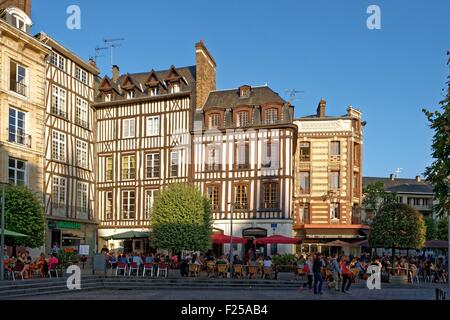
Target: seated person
point(123, 259)
point(267, 262)
point(149, 258)
point(53, 260)
point(237, 260)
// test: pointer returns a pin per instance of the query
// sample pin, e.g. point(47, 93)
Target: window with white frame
point(58, 146)
point(109, 205)
point(153, 126)
point(130, 94)
point(59, 97)
point(213, 162)
point(81, 74)
point(16, 127)
point(149, 200)
point(128, 167)
point(81, 116)
point(58, 61)
point(19, 22)
point(128, 204)
point(109, 169)
point(175, 88)
point(108, 97)
point(16, 171)
point(128, 128)
point(174, 163)
point(154, 91)
point(82, 153)
point(82, 196)
point(18, 78)
point(271, 116)
point(334, 211)
point(59, 192)
point(152, 165)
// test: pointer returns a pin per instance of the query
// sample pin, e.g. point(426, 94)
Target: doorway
point(250, 234)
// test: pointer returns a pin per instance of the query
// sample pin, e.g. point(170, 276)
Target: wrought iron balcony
point(19, 87)
point(19, 136)
point(59, 112)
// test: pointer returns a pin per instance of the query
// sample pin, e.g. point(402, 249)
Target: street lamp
point(2, 245)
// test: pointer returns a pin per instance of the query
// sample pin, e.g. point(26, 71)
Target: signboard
point(84, 250)
point(99, 263)
point(64, 225)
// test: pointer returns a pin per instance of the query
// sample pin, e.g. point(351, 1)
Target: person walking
point(317, 270)
point(308, 269)
point(335, 272)
point(346, 275)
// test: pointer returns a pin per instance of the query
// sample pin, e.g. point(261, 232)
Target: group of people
point(140, 259)
point(27, 267)
point(342, 270)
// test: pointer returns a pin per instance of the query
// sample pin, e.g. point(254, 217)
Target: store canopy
point(219, 238)
point(9, 233)
point(437, 244)
point(337, 243)
point(277, 239)
point(128, 235)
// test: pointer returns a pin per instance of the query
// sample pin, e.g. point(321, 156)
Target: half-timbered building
point(69, 183)
point(244, 142)
point(328, 179)
point(144, 123)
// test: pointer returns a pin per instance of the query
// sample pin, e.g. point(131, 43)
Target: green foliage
point(181, 219)
point(438, 173)
point(431, 229)
point(397, 225)
point(24, 213)
point(375, 196)
point(67, 258)
point(442, 229)
point(286, 259)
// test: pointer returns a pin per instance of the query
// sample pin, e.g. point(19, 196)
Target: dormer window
point(154, 91)
point(175, 88)
point(214, 121)
point(18, 22)
point(242, 119)
point(271, 116)
point(130, 95)
point(244, 91)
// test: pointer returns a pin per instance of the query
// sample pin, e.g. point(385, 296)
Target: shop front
point(70, 235)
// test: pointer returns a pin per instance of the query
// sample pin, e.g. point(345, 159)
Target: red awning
point(277, 239)
point(222, 239)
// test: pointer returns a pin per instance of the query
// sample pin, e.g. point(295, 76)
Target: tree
point(24, 213)
point(438, 173)
point(431, 229)
point(375, 196)
point(397, 225)
point(181, 219)
point(442, 230)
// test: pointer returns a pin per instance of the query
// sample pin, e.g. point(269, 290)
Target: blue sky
point(320, 47)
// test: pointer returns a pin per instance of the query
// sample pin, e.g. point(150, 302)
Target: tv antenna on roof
point(97, 52)
point(397, 172)
point(112, 44)
point(292, 94)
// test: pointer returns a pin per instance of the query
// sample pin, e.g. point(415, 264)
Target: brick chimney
point(392, 176)
point(24, 5)
point(92, 62)
point(418, 178)
point(115, 73)
point(205, 74)
point(321, 108)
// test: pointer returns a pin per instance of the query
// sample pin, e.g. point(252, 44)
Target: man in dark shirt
point(317, 270)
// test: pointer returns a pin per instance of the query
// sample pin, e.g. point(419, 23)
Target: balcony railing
point(213, 167)
point(270, 206)
point(19, 87)
point(242, 166)
point(59, 112)
point(241, 206)
point(18, 136)
point(335, 158)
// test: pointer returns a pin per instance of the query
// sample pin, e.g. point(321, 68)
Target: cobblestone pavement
point(426, 292)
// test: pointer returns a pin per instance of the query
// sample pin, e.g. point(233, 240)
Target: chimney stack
point(205, 74)
point(321, 108)
point(392, 176)
point(115, 73)
point(418, 178)
point(92, 62)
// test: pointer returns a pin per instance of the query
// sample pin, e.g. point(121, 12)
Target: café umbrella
point(279, 239)
point(128, 235)
point(9, 233)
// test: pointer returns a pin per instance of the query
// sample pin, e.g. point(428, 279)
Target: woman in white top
point(267, 262)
